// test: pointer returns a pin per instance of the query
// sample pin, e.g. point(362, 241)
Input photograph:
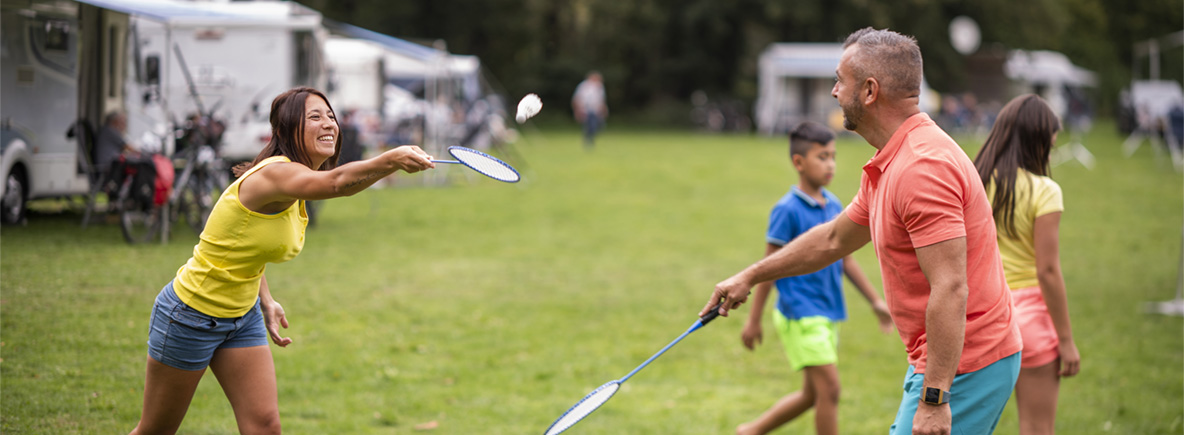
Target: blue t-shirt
point(819, 293)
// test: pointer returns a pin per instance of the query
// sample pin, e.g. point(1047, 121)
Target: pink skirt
point(1036, 327)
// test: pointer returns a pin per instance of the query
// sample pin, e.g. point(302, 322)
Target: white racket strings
point(485, 164)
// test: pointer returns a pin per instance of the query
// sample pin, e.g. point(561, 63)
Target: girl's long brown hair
point(1021, 139)
point(287, 131)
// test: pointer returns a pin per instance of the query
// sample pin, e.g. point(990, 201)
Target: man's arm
point(752, 334)
point(944, 265)
point(810, 252)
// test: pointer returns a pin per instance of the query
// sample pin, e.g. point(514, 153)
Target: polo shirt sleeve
point(931, 206)
point(857, 210)
point(781, 221)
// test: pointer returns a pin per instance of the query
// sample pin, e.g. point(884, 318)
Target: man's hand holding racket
point(729, 294)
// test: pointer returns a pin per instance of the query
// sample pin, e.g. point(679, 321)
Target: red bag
point(164, 178)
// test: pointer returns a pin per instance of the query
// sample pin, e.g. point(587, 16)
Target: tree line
point(655, 53)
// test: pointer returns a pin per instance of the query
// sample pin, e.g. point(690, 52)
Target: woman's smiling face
point(321, 131)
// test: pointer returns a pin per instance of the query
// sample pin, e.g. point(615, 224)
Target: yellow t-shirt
point(1035, 196)
point(223, 276)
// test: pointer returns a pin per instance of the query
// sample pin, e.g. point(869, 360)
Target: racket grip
point(711, 315)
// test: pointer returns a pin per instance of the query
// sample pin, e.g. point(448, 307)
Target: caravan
point(65, 64)
point(61, 68)
point(224, 61)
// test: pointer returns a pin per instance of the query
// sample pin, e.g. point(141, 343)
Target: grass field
point(490, 308)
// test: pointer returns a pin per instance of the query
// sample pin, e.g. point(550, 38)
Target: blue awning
point(172, 10)
point(397, 45)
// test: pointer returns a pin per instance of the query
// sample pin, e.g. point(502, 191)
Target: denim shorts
point(184, 338)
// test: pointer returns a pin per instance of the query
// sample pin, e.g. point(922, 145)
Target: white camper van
point(61, 63)
point(64, 64)
point(238, 57)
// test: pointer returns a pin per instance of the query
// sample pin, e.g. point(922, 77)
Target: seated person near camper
point(111, 142)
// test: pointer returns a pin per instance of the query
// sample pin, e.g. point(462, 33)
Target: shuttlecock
point(528, 107)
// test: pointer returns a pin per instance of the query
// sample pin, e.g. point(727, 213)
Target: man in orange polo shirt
point(923, 207)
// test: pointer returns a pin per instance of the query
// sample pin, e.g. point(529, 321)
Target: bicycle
point(137, 202)
point(202, 176)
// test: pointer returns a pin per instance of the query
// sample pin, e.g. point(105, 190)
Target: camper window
point(57, 35)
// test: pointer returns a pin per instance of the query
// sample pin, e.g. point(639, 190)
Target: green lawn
point(491, 308)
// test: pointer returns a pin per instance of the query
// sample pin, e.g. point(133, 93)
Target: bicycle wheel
point(194, 203)
point(140, 221)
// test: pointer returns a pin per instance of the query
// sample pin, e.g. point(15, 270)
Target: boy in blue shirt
point(809, 307)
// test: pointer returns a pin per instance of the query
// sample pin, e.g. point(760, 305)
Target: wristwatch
point(934, 396)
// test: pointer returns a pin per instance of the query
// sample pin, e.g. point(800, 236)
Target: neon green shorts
point(809, 341)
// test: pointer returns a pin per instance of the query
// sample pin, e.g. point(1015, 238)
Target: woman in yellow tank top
point(1027, 205)
point(218, 311)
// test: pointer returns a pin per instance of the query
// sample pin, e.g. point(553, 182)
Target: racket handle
point(711, 315)
point(446, 161)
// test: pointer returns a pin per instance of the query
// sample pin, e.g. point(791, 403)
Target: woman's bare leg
point(247, 376)
point(167, 393)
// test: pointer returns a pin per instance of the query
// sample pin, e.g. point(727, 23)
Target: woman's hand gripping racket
point(485, 164)
point(601, 395)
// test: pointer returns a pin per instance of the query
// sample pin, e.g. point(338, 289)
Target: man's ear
point(871, 91)
point(797, 160)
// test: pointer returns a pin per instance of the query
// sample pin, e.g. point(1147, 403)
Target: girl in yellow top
point(1027, 205)
point(218, 311)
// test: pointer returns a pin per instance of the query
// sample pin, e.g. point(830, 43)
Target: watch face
point(932, 395)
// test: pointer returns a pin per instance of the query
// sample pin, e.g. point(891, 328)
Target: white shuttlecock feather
point(528, 107)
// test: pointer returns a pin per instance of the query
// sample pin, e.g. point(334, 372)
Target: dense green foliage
point(491, 308)
point(654, 53)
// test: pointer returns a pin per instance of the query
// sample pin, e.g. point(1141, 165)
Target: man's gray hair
point(893, 59)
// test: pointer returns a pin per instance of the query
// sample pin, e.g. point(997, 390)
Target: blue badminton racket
point(485, 164)
point(599, 396)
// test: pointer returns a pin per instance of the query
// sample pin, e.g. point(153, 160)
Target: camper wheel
point(16, 194)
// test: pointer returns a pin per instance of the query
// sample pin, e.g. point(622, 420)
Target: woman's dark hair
point(287, 131)
point(1021, 139)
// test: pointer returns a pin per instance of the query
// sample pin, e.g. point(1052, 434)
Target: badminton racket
point(599, 396)
point(485, 164)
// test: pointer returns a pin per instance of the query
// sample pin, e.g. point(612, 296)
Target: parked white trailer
point(60, 62)
point(239, 56)
point(66, 63)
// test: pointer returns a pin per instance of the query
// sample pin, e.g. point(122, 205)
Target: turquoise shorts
point(976, 398)
point(809, 341)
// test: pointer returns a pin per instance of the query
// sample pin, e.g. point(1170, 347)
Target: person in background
point(590, 106)
point(1027, 204)
point(112, 142)
point(218, 310)
point(810, 306)
point(924, 208)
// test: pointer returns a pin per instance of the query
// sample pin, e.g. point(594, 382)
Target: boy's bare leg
point(825, 380)
point(788, 408)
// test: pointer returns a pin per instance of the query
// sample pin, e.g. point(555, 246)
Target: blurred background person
point(588, 104)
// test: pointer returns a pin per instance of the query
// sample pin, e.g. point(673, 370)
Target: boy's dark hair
point(808, 133)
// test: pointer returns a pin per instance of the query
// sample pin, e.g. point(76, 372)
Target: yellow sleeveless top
point(223, 276)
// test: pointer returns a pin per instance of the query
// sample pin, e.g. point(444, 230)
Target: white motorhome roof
point(278, 13)
point(817, 60)
point(1046, 67)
